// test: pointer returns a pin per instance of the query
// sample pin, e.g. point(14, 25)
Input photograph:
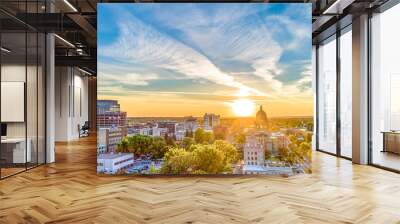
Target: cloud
point(134, 79)
point(301, 88)
point(204, 39)
point(296, 33)
point(142, 44)
point(234, 33)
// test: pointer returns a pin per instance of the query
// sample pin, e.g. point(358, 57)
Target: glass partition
point(22, 77)
point(31, 98)
point(13, 86)
point(327, 96)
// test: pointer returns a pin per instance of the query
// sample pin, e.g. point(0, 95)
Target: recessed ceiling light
point(84, 71)
point(70, 5)
point(5, 50)
point(64, 40)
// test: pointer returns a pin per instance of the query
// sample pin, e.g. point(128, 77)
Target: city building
point(169, 125)
point(159, 132)
point(253, 151)
point(110, 115)
point(261, 119)
point(268, 170)
point(111, 163)
point(111, 119)
point(190, 124)
point(107, 105)
point(101, 147)
point(211, 121)
point(180, 131)
point(110, 137)
point(279, 141)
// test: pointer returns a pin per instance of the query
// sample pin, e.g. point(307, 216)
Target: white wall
point(71, 103)
point(33, 127)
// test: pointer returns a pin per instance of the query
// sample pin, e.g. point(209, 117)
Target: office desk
point(391, 141)
point(13, 150)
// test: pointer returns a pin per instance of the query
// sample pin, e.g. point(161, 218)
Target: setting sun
point(243, 107)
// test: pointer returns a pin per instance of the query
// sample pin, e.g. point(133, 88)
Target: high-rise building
point(111, 119)
point(190, 124)
point(109, 114)
point(107, 105)
point(110, 137)
point(211, 121)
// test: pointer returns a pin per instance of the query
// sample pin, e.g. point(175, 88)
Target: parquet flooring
point(69, 191)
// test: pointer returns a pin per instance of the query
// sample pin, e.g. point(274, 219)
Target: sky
point(172, 60)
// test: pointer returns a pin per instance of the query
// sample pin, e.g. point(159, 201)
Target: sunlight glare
point(243, 107)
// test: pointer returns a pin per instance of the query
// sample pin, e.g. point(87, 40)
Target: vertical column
point(360, 90)
point(338, 109)
point(50, 99)
point(50, 92)
point(315, 96)
point(92, 98)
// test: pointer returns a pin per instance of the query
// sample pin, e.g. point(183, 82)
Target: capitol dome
point(261, 119)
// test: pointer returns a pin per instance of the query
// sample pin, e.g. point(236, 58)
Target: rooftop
point(113, 155)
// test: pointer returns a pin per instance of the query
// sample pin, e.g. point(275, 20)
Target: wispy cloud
point(198, 43)
point(142, 44)
point(240, 34)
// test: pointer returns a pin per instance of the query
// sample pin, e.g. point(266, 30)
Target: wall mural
point(204, 89)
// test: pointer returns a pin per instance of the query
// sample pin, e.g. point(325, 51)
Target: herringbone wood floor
point(69, 191)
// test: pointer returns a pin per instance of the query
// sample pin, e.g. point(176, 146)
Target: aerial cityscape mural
point(217, 88)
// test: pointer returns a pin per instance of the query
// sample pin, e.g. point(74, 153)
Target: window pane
point(386, 89)
point(346, 94)
point(327, 96)
point(31, 97)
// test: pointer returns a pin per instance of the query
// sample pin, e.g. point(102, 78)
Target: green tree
point(153, 169)
point(220, 132)
point(187, 142)
point(231, 154)
point(177, 161)
point(240, 140)
point(123, 145)
point(143, 144)
point(170, 140)
point(208, 159)
point(189, 133)
point(209, 138)
point(201, 158)
point(199, 135)
point(139, 144)
point(203, 137)
point(158, 147)
point(308, 137)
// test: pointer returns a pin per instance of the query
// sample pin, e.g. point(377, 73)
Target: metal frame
point(338, 152)
point(338, 98)
point(389, 4)
point(44, 71)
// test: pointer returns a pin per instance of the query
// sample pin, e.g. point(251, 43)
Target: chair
point(84, 130)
